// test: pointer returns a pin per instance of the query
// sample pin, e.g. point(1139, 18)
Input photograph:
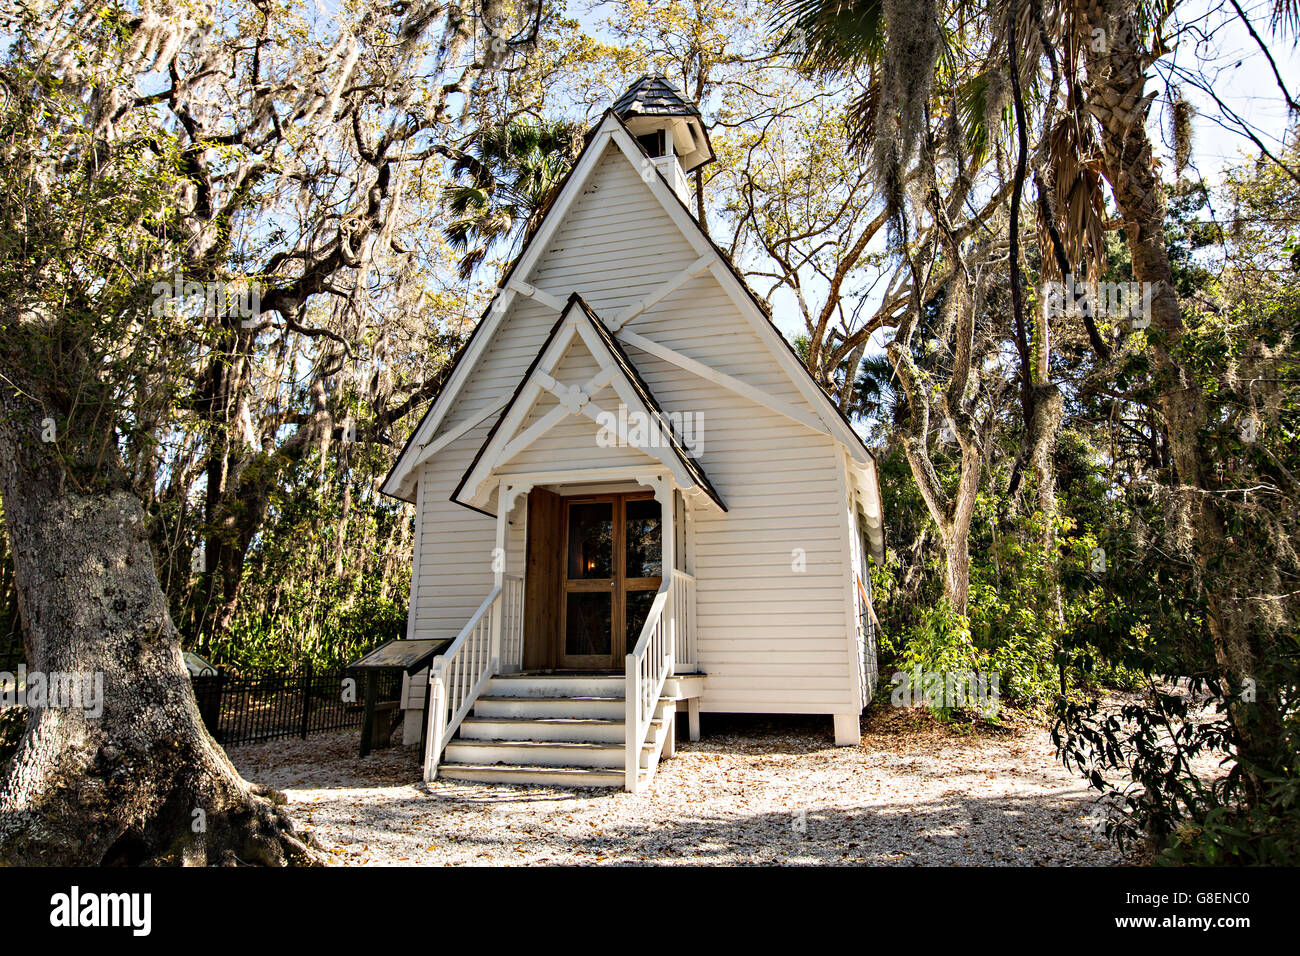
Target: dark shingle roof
point(653, 95)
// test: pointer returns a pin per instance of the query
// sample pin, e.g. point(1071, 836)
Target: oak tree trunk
point(1049, 407)
point(956, 579)
point(956, 531)
point(952, 515)
point(143, 781)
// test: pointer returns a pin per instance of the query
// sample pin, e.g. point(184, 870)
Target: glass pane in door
point(637, 606)
point(644, 557)
point(591, 540)
point(587, 620)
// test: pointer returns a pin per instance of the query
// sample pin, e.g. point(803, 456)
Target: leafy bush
point(1265, 835)
point(940, 644)
point(328, 578)
point(316, 630)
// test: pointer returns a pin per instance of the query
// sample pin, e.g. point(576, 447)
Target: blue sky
point(1241, 77)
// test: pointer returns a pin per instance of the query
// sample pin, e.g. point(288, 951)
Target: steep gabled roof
point(626, 381)
point(486, 324)
point(611, 128)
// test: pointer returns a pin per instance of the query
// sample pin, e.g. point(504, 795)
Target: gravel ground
point(753, 791)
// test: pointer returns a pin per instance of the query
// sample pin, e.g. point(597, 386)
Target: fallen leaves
point(915, 794)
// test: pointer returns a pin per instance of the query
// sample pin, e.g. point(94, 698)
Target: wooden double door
point(594, 565)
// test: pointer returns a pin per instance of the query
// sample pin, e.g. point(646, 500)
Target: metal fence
point(269, 705)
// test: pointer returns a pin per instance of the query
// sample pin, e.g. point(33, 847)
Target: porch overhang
point(866, 486)
point(519, 429)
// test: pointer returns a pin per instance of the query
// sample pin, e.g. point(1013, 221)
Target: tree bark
point(1049, 408)
point(956, 534)
point(142, 781)
point(1117, 99)
point(851, 376)
point(951, 514)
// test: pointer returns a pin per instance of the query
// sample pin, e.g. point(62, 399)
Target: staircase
point(554, 730)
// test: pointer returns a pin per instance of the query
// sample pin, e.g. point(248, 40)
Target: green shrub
point(1267, 835)
point(307, 629)
point(940, 644)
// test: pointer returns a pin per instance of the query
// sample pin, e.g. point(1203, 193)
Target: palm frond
point(863, 112)
point(1286, 16)
point(980, 106)
point(505, 179)
point(1078, 197)
point(831, 35)
point(463, 200)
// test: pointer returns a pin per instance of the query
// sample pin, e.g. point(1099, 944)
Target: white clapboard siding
point(747, 591)
point(572, 444)
point(455, 546)
point(769, 637)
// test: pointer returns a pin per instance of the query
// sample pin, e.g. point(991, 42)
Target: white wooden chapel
point(631, 497)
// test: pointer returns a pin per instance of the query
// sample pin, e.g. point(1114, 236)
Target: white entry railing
point(458, 675)
point(684, 621)
point(647, 668)
point(512, 623)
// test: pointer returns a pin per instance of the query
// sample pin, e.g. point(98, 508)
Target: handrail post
point(495, 652)
point(692, 639)
point(631, 710)
point(437, 704)
point(506, 494)
point(671, 607)
point(517, 624)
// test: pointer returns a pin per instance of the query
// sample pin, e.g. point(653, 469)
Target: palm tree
point(505, 181)
point(874, 395)
point(1115, 80)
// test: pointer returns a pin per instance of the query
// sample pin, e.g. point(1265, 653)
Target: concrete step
point(541, 708)
point(551, 730)
point(544, 753)
point(554, 685)
point(523, 775)
point(558, 708)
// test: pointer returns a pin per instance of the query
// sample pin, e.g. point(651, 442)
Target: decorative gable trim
point(508, 436)
point(396, 483)
point(748, 304)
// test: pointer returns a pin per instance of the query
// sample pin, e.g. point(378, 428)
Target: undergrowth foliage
point(329, 578)
point(1129, 670)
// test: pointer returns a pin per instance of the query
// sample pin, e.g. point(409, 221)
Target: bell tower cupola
point(668, 127)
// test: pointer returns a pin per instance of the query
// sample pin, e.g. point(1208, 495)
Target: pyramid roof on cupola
point(653, 94)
